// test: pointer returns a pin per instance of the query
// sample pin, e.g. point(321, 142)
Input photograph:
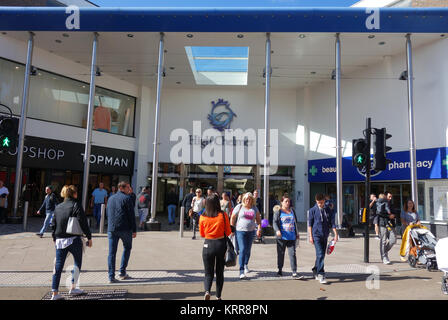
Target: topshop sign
point(63, 155)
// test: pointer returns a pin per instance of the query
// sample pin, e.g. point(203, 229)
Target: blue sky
point(224, 3)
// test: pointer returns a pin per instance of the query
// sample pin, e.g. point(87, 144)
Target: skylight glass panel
point(219, 65)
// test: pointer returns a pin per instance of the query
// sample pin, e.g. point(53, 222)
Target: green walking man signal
point(8, 132)
point(6, 142)
point(360, 152)
point(360, 159)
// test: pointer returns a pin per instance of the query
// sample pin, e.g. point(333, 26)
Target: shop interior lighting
point(219, 65)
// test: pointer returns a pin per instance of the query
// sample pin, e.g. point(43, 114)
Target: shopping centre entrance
point(230, 179)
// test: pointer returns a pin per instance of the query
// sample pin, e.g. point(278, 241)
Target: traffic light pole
point(22, 126)
point(367, 192)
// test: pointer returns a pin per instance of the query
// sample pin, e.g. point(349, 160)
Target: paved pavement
point(165, 266)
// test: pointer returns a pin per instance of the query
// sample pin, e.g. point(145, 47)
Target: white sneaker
point(242, 276)
point(123, 277)
point(386, 261)
point(57, 297)
point(322, 279)
point(76, 292)
point(246, 270)
point(297, 276)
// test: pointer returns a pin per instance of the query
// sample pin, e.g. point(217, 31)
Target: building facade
point(206, 93)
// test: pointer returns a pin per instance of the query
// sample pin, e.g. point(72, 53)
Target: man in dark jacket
point(48, 205)
point(187, 205)
point(387, 232)
point(121, 225)
point(320, 220)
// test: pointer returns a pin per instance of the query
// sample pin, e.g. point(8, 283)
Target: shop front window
point(63, 100)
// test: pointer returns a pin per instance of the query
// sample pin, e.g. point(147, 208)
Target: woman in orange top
point(213, 223)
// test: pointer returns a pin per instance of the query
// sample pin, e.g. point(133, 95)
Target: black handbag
point(230, 256)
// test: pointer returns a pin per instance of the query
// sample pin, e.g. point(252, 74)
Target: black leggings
point(213, 255)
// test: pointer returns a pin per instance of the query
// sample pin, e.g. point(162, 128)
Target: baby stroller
point(422, 248)
point(442, 259)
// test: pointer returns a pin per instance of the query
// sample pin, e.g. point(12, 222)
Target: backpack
point(381, 208)
point(142, 201)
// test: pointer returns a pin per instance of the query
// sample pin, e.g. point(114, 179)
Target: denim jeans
point(97, 213)
point(143, 214)
point(171, 213)
point(126, 238)
point(48, 218)
point(320, 244)
point(245, 240)
point(61, 254)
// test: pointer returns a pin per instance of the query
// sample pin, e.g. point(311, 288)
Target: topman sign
point(240, 19)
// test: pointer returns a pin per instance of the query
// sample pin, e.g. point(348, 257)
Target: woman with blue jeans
point(68, 243)
point(245, 218)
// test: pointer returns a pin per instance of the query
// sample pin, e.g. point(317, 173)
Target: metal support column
point(267, 161)
point(22, 125)
point(412, 150)
point(155, 156)
point(87, 148)
point(338, 134)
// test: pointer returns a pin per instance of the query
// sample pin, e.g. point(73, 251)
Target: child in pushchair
point(419, 244)
point(442, 261)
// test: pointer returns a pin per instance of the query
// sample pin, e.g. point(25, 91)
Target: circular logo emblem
point(221, 115)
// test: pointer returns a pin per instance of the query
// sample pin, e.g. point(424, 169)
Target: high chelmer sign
point(431, 164)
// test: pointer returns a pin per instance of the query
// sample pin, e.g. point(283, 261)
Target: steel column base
point(153, 226)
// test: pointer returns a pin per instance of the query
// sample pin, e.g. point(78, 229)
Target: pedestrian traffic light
point(8, 132)
point(380, 149)
point(360, 152)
